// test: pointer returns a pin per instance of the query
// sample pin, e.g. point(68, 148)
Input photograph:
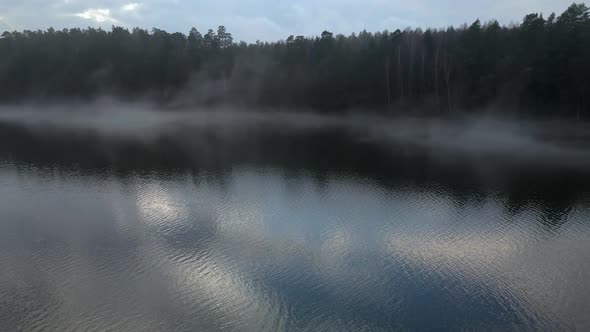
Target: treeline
point(539, 66)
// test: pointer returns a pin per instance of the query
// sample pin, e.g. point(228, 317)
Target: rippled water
point(314, 231)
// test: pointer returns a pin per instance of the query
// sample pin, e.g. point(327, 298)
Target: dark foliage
point(540, 66)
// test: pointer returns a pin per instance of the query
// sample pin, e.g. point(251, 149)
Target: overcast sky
point(266, 19)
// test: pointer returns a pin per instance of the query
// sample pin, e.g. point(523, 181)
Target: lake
point(270, 228)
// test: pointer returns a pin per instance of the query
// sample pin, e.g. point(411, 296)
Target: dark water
point(284, 230)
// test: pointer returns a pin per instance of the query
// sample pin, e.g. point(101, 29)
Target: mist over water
point(553, 142)
point(129, 218)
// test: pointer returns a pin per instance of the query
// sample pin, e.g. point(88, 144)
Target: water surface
point(284, 230)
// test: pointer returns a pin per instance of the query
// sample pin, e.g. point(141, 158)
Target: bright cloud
point(5, 26)
point(99, 15)
point(130, 7)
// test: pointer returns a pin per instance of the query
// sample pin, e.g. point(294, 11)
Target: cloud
point(99, 15)
point(130, 7)
point(394, 22)
point(5, 26)
point(254, 28)
point(267, 19)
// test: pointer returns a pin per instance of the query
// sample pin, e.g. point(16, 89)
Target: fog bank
point(539, 142)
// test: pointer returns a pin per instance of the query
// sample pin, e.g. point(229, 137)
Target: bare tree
point(400, 72)
point(447, 67)
point(387, 66)
point(436, 65)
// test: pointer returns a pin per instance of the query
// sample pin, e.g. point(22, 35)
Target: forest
point(539, 67)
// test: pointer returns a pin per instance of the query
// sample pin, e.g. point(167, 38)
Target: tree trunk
point(400, 72)
point(412, 55)
point(387, 65)
point(411, 67)
point(447, 68)
point(423, 73)
point(436, 55)
point(449, 97)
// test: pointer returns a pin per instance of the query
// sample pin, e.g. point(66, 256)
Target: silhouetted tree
point(540, 66)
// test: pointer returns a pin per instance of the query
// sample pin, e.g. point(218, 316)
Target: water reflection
point(119, 234)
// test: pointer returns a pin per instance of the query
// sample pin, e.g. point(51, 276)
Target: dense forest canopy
point(540, 66)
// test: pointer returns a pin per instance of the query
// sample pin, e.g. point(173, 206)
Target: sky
point(266, 20)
